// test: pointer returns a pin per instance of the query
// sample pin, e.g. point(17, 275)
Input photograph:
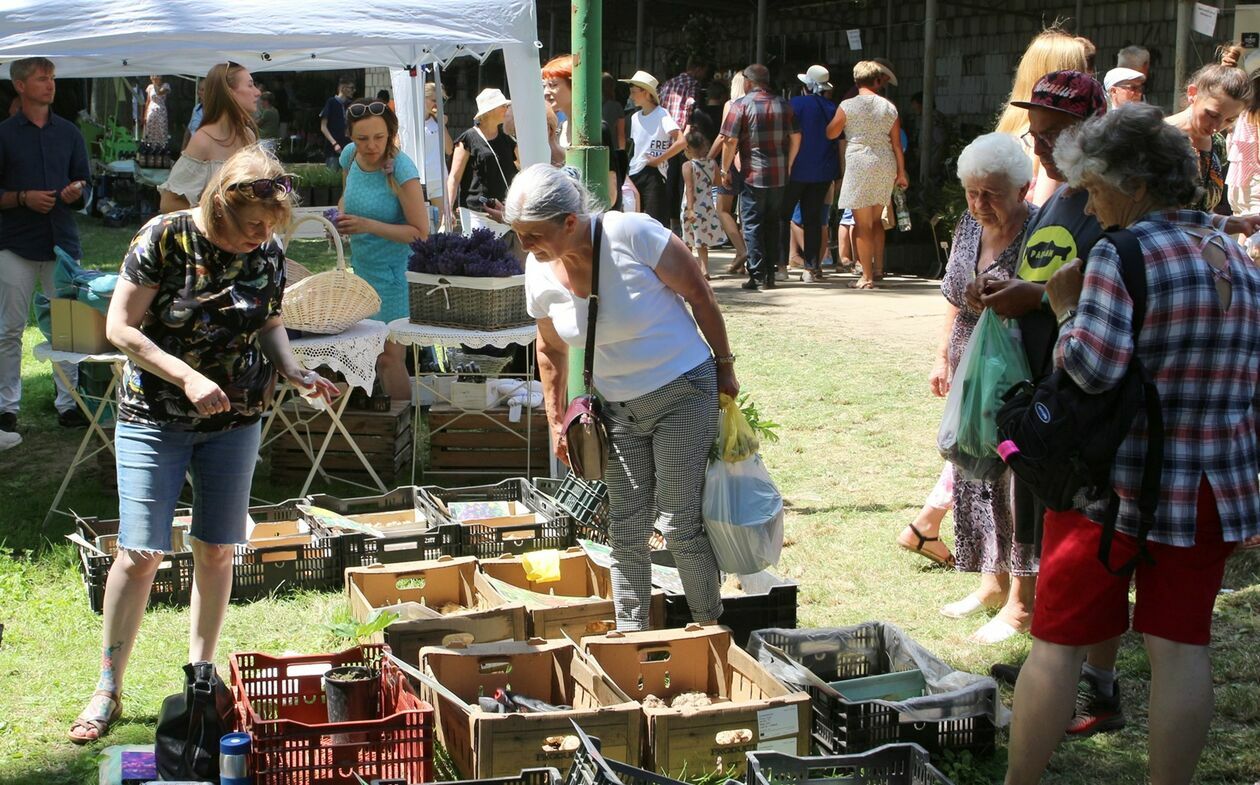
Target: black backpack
point(1061, 441)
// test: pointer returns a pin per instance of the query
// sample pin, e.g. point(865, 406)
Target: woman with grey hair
point(654, 367)
point(995, 174)
point(1200, 344)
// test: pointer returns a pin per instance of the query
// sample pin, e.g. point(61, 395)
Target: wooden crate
point(385, 438)
point(472, 448)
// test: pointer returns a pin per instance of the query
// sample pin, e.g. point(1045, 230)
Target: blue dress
point(380, 262)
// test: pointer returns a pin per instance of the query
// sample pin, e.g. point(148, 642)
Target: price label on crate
point(778, 722)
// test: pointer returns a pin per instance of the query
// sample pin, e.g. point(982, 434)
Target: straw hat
point(886, 67)
point(644, 80)
point(489, 100)
point(818, 74)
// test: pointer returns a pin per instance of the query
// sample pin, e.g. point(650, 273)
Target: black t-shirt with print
point(209, 308)
point(490, 168)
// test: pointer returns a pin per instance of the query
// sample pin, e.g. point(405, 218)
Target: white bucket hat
point(817, 74)
point(646, 81)
point(1117, 75)
point(489, 100)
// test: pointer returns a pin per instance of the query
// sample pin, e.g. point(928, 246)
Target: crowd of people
point(1071, 159)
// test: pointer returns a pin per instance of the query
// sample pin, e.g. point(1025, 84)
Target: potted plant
point(352, 692)
point(466, 281)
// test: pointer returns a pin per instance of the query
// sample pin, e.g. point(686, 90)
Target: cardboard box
point(483, 744)
point(78, 327)
point(585, 605)
point(474, 396)
point(488, 618)
point(667, 663)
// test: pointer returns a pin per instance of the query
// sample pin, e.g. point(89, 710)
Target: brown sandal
point(85, 730)
point(946, 561)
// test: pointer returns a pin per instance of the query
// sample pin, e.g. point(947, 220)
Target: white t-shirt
point(433, 152)
point(650, 134)
point(645, 336)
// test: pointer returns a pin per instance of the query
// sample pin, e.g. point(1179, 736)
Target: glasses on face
point(1133, 89)
point(1048, 139)
point(376, 109)
point(267, 187)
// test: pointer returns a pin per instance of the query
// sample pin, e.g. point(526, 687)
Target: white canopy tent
point(97, 38)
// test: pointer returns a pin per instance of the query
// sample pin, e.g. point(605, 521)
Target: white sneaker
point(807, 276)
point(8, 440)
point(780, 275)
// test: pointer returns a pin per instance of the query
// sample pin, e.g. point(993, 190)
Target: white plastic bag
point(743, 515)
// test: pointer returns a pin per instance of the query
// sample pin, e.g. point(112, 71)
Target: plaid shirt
point(1205, 362)
point(679, 96)
point(763, 123)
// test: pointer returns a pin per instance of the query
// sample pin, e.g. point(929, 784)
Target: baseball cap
point(1117, 75)
point(1071, 92)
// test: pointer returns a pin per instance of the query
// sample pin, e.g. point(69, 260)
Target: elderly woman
point(1201, 292)
point(654, 367)
point(873, 163)
point(197, 312)
point(995, 175)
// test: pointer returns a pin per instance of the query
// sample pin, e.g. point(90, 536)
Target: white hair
point(995, 153)
point(545, 193)
point(1133, 57)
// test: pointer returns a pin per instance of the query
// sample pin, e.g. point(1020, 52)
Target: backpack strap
point(1133, 273)
point(592, 313)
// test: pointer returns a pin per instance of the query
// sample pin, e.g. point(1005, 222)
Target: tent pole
point(441, 121)
point(929, 92)
point(585, 151)
point(1181, 63)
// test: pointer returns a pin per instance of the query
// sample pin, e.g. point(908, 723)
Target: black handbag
point(190, 725)
point(585, 435)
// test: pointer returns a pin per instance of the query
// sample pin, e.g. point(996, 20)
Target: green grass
point(855, 458)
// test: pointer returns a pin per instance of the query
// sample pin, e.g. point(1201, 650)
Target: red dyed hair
point(559, 68)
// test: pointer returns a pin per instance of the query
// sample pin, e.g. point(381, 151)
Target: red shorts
point(1080, 603)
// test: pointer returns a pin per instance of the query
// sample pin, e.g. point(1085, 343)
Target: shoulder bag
point(585, 435)
point(190, 725)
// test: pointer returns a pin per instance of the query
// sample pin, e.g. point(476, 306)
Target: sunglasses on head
point(376, 108)
point(267, 187)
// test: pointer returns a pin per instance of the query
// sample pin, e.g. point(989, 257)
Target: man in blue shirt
point(332, 124)
point(43, 172)
point(817, 165)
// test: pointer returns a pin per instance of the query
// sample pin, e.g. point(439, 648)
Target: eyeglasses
point(376, 109)
point(267, 187)
point(1048, 139)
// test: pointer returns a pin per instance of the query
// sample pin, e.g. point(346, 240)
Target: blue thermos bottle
point(234, 760)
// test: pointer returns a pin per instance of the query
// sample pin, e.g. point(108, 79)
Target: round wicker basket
point(328, 302)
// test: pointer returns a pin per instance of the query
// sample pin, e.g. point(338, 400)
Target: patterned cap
point(1070, 92)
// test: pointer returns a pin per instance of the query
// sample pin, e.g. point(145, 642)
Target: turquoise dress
point(381, 262)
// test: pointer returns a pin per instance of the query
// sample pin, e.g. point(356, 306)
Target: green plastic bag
point(993, 362)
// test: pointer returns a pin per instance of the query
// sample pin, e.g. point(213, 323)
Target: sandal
point(85, 730)
point(946, 561)
point(862, 285)
point(737, 266)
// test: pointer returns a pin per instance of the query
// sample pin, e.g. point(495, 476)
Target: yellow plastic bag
point(542, 566)
point(736, 439)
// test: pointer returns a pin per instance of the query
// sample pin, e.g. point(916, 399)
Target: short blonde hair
point(866, 72)
point(220, 202)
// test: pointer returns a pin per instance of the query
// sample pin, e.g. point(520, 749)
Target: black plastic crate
point(171, 586)
point(585, 502)
point(526, 777)
point(892, 764)
point(591, 768)
point(359, 549)
point(262, 572)
point(845, 727)
point(556, 530)
point(768, 601)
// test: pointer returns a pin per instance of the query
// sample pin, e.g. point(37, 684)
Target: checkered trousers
point(659, 451)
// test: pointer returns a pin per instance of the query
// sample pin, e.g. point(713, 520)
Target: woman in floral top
point(197, 312)
point(1215, 96)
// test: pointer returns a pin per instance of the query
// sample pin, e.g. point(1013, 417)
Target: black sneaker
point(72, 418)
point(1095, 712)
point(750, 285)
point(770, 283)
point(8, 422)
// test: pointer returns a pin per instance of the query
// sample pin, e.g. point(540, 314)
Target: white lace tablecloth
point(45, 353)
point(402, 331)
point(352, 353)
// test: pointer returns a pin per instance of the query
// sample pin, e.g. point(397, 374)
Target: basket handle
point(328, 228)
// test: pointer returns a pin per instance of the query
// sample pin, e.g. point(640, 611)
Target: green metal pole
point(585, 152)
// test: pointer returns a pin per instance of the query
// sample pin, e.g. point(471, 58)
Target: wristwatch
point(1068, 314)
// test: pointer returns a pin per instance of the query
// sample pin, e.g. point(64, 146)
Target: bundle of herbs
point(478, 255)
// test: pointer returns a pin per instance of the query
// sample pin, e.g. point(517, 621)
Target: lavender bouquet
point(479, 255)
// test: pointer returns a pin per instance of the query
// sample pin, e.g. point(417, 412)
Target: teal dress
point(381, 262)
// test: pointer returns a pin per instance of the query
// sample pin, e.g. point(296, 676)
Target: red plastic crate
point(280, 702)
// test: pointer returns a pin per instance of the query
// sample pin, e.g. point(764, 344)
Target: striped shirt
point(1204, 359)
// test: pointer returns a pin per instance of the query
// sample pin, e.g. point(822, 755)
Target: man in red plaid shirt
point(763, 128)
point(680, 96)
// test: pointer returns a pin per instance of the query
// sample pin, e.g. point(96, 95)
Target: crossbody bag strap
point(497, 162)
point(592, 310)
point(1133, 273)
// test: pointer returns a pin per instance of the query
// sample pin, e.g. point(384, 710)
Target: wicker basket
point(294, 271)
point(329, 302)
point(463, 301)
